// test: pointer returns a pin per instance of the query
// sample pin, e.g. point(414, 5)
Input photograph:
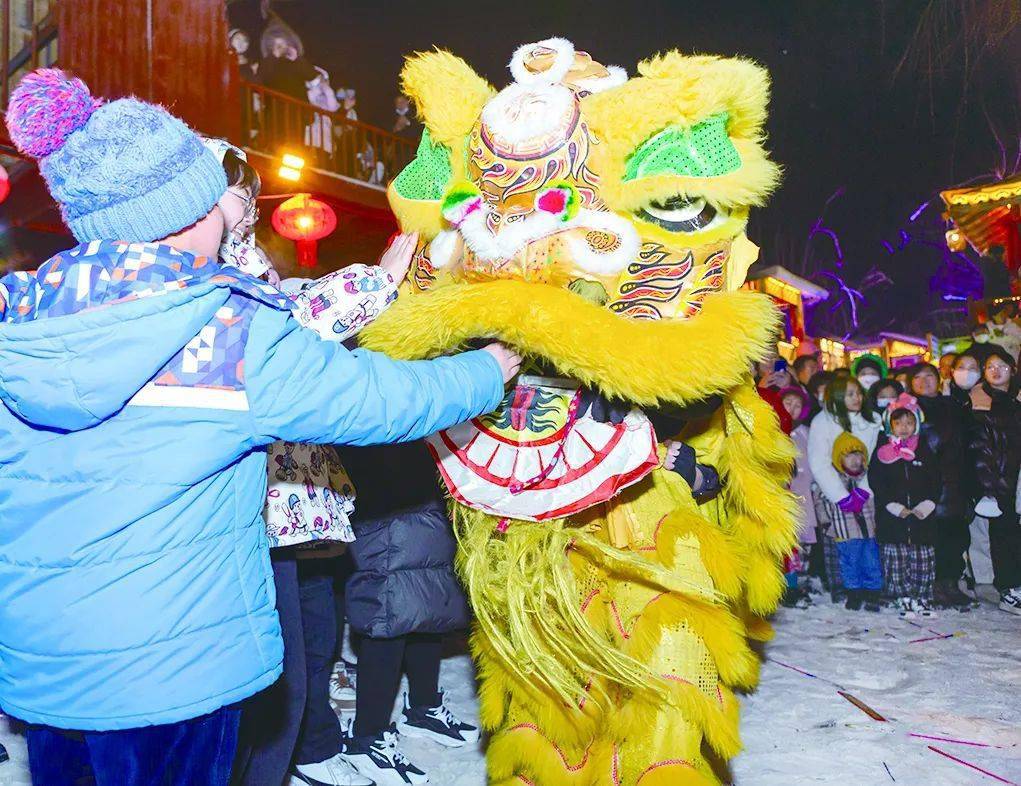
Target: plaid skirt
point(908, 570)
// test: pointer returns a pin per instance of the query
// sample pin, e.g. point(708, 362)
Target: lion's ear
point(448, 94)
point(685, 125)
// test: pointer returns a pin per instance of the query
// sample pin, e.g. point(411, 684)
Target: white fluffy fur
point(515, 115)
point(561, 65)
point(443, 248)
point(616, 77)
point(511, 239)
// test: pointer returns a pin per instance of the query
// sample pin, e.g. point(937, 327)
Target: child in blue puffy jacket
point(141, 383)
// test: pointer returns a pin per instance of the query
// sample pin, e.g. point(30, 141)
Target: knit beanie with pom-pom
point(124, 170)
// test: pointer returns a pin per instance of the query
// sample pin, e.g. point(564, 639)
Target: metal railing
point(28, 40)
point(277, 123)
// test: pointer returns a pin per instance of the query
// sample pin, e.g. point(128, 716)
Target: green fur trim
point(427, 176)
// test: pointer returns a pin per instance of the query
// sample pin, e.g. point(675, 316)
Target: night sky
point(839, 117)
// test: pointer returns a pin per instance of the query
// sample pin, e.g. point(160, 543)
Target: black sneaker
point(872, 601)
point(379, 759)
point(438, 724)
point(854, 600)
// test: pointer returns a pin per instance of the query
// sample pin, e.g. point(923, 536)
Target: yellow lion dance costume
point(596, 224)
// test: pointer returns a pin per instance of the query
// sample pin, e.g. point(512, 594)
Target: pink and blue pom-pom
point(45, 108)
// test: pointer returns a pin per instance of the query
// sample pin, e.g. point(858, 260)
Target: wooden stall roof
point(810, 293)
point(983, 212)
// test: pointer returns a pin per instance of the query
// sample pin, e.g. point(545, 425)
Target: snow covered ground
point(799, 730)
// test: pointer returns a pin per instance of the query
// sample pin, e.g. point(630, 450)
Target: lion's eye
point(682, 214)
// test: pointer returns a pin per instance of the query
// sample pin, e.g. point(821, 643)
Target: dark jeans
point(1005, 547)
point(953, 537)
point(292, 719)
point(320, 735)
point(380, 664)
point(197, 751)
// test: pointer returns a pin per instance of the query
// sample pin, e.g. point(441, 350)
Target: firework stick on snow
point(955, 742)
point(923, 627)
point(955, 635)
point(802, 671)
point(975, 767)
point(862, 706)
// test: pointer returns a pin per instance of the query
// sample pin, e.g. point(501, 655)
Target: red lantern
point(5, 184)
point(304, 220)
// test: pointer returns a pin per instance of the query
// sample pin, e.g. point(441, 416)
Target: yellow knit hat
point(847, 443)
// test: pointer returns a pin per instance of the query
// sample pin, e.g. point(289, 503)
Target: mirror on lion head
point(634, 193)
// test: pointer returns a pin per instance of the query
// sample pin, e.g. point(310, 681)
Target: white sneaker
point(336, 771)
point(343, 686)
point(925, 608)
point(381, 760)
point(1010, 601)
point(438, 724)
point(907, 608)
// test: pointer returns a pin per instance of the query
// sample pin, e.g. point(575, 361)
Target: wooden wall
point(172, 52)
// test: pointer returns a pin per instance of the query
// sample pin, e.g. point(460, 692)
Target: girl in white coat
point(847, 409)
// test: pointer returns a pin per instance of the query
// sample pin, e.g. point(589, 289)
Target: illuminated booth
point(896, 349)
point(987, 216)
point(792, 295)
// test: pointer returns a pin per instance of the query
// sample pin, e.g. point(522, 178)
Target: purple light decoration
point(819, 228)
point(919, 210)
point(958, 278)
point(852, 295)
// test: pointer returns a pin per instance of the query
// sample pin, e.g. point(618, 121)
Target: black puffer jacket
point(403, 580)
point(944, 434)
point(907, 483)
point(995, 448)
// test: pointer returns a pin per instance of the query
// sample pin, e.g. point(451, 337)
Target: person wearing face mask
point(943, 433)
point(869, 369)
point(995, 451)
point(846, 409)
point(883, 393)
point(964, 375)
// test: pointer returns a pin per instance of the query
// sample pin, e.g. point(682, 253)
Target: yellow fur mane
point(643, 361)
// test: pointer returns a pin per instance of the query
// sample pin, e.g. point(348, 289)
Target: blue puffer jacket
point(141, 386)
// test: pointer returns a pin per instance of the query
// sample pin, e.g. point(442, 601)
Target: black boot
point(854, 600)
point(872, 601)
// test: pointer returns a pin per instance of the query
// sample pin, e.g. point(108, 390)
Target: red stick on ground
point(975, 767)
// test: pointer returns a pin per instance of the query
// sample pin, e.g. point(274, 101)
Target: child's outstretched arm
point(303, 389)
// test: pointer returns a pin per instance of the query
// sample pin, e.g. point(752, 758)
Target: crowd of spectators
point(893, 468)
